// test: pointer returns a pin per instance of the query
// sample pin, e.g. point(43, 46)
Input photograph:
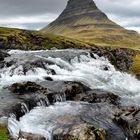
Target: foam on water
point(96, 73)
point(83, 68)
point(42, 120)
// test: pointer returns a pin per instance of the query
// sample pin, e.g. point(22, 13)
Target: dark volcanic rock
point(79, 131)
point(121, 58)
point(3, 55)
point(129, 119)
point(29, 136)
point(25, 87)
point(96, 96)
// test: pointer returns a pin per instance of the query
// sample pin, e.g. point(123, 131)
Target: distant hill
point(24, 39)
point(81, 19)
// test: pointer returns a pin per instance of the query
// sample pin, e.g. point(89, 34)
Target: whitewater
point(82, 68)
point(69, 65)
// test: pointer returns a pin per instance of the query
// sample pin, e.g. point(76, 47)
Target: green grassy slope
point(23, 39)
point(105, 33)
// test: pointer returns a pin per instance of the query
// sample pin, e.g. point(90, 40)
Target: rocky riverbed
point(69, 95)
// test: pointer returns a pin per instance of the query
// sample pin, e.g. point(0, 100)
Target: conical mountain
point(81, 19)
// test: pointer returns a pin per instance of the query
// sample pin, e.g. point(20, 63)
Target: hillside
point(83, 20)
point(25, 39)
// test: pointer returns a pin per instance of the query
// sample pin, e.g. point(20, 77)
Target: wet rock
point(80, 132)
point(72, 128)
point(138, 76)
point(29, 136)
point(121, 58)
point(72, 89)
point(129, 119)
point(3, 54)
point(25, 87)
point(48, 78)
point(96, 96)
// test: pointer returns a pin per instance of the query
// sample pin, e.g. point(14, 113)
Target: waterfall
point(24, 108)
point(95, 72)
point(60, 97)
point(43, 120)
point(63, 65)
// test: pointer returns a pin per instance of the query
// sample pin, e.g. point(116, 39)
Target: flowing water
point(63, 65)
point(42, 120)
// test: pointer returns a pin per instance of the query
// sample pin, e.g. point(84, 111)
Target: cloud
point(35, 14)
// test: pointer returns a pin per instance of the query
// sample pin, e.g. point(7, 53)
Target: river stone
point(29, 136)
point(25, 87)
point(72, 128)
point(129, 119)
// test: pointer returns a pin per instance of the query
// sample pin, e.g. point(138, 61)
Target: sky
point(35, 14)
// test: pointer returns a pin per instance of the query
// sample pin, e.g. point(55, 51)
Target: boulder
point(25, 87)
point(72, 128)
point(3, 54)
point(129, 119)
point(29, 136)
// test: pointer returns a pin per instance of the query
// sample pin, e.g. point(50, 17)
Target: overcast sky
point(35, 14)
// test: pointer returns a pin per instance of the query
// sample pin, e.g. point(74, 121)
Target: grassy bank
point(4, 135)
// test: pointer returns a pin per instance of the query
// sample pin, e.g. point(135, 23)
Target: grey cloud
point(123, 8)
point(30, 7)
point(124, 12)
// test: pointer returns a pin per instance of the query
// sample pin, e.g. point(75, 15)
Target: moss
point(23, 39)
point(136, 65)
point(99, 134)
point(4, 135)
point(71, 138)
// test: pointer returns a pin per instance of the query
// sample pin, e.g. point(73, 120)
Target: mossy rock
point(4, 134)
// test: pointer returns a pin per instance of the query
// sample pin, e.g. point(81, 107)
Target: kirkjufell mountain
point(83, 20)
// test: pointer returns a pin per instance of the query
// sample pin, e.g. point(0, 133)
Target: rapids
point(62, 65)
point(42, 120)
point(70, 65)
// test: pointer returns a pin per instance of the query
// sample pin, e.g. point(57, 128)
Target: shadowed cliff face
point(83, 20)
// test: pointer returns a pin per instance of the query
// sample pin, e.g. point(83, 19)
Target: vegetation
point(23, 39)
point(136, 65)
point(31, 40)
point(4, 135)
point(103, 37)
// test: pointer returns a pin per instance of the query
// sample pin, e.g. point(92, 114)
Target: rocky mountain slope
point(83, 20)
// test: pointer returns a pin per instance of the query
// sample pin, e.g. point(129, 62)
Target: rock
point(48, 78)
point(72, 89)
point(96, 96)
point(121, 58)
point(79, 132)
point(72, 128)
point(29, 136)
point(138, 76)
point(3, 54)
point(26, 87)
point(129, 119)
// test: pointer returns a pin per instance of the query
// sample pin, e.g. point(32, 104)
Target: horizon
point(19, 14)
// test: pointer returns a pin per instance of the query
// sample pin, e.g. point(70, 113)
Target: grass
point(4, 135)
point(22, 39)
point(102, 33)
point(136, 65)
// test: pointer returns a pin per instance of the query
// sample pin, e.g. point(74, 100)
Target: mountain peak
point(77, 10)
point(83, 20)
point(80, 3)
